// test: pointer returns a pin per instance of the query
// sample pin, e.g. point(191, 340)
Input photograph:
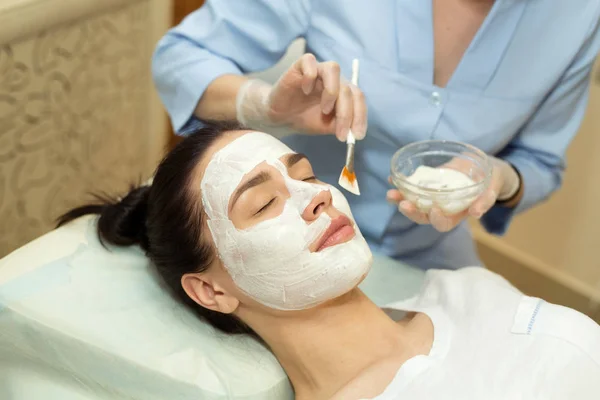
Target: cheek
point(268, 246)
point(274, 239)
point(226, 281)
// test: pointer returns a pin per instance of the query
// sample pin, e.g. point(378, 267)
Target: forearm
point(195, 63)
point(218, 102)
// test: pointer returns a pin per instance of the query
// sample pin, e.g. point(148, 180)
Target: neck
point(324, 348)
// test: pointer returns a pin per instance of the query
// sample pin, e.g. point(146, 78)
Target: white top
point(492, 342)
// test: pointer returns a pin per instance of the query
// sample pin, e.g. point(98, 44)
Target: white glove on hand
point(504, 184)
point(309, 97)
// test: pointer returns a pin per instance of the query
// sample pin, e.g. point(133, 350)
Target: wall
point(78, 111)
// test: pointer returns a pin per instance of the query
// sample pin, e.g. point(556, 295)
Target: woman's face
point(263, 193)
point(287, 240)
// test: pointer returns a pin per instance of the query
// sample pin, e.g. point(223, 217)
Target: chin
point(349, 294)
point(343, 298)
point(362, 279)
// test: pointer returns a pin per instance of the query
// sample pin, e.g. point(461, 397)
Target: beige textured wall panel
point(77, 113)
point(21, 18)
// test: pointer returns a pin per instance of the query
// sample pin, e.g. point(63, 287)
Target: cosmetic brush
point(348, 177)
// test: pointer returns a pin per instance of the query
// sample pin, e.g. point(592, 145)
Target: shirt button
point(436, 99)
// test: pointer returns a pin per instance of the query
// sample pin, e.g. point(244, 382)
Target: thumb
point(490, 195)
point(483, 203)
point(488, 198)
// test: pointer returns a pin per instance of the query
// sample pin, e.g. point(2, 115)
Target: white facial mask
point(271, 261)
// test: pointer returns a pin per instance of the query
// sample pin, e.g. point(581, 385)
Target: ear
point(208, 293)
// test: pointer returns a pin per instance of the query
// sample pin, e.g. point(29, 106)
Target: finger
point(410, 211)
point(343, 113)
point(442, 222)
point(483, 203)
point(394, 196)
point(309, 70)
point(359, 120)
point(329, 73)
point(496, 182)
point(489, 196)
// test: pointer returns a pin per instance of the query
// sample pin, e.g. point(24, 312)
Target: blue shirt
point(519, 92)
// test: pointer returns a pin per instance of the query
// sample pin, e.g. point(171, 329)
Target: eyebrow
point(264, 176)
point(259, 179)
point(293, 159)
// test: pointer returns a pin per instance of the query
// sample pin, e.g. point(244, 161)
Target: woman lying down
point(238, 225)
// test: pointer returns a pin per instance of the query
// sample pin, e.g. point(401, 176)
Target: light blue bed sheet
point(80, 322)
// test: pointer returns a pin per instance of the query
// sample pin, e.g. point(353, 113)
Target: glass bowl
point(440, 173)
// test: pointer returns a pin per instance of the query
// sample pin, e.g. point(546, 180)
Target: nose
point(318, 204)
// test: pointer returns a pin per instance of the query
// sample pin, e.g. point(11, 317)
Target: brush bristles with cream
point(348, 177)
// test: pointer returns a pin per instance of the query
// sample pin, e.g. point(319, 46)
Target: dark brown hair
point(166, 220)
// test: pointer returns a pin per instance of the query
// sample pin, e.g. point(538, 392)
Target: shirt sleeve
point(538, 151)
point(222, 37)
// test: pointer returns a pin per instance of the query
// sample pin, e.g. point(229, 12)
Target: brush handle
point(355, 66)
point(350, 138)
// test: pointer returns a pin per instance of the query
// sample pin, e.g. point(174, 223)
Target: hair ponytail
point(166, 219)
point(122, 222)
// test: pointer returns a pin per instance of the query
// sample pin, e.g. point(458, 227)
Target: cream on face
point(271, 261)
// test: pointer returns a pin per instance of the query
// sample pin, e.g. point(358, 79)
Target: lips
point(339, 231)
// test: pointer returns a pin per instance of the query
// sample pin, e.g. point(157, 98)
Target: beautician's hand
point(505, 184)
point(310, 97)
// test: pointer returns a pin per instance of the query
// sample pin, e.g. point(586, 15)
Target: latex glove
point(309, 97)
point(504, 184)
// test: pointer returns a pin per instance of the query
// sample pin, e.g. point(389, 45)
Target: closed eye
point(265, 207)
point(310, 178)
